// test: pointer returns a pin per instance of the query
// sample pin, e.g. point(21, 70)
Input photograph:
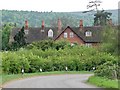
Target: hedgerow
point(76, 58)
point(55, 56)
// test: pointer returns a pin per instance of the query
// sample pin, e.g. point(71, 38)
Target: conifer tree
point(19, 39)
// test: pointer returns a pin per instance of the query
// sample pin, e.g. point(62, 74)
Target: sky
point(54, 5)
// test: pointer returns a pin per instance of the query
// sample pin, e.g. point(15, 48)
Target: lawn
point(6, 78)
point(103, 82)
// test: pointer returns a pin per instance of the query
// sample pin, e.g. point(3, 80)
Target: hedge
point(76, 58)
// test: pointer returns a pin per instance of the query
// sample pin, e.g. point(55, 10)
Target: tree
point(19, 39)
point(95, 4)
point(5, 36)
point(110, 42)
point(101, 17)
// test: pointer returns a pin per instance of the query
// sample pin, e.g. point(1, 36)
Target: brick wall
point(74, 39)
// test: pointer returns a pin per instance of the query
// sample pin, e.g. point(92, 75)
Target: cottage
point(89, 36)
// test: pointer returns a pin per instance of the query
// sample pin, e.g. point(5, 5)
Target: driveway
point(53, 81)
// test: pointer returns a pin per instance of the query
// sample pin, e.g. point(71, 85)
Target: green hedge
point(76, 58)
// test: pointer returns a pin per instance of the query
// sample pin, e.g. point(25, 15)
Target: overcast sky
point(54, 5)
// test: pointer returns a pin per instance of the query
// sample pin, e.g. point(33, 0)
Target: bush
point(13, 63)
point(108, 70)
point(76, 58)
point(46, 44)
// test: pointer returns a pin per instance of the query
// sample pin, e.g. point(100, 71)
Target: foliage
point(5, 36)
point(95, 4)
point(46, 44)
point(110, 40)
point(108, 70)
point(50, 18)
point(19, 39)
point(77, 58)
point(101, 18)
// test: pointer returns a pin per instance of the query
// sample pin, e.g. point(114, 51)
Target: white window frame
point(71, 34)
point(88, 33)
point(65, 34)
point(88, 44)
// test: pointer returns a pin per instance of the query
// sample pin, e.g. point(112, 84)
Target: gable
point(71, 36)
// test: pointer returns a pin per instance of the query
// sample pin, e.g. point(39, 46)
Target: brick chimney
point(43, 25)
point(81, 24)
point(26, 25)
point(59, 25)
point(110, 22)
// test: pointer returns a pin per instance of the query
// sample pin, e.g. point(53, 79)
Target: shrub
point(108, 70)
point(76, 58)
point(46, 44)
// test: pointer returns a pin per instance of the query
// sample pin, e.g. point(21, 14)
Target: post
point(22, 71)
point(40, 70)
point(66, 68)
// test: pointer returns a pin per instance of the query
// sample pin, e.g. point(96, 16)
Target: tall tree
point(110, 41)
point(101, 17)
point(5, 36)
point(19, 39)
point(95, 4)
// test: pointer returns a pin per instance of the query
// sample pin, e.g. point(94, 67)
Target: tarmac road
point(53, 81)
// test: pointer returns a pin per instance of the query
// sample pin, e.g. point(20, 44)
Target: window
point(42, 31)
point(88, 33)
point(71, 35)
point(26, 31)
point(65, 35)
point(50, 33)
point(88, 44)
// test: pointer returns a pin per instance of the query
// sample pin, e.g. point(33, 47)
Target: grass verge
point(103, 82)
point(6, 78)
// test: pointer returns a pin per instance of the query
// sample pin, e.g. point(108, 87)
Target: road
point(53, 81)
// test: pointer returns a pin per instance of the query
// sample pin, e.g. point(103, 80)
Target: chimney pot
point(43, 24)
point(59, 25)
point(110, 22)
point(26, 25)
point(81, 24)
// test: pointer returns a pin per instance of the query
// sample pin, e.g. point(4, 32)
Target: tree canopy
point(101, 18)
point(19, 39)
point(5, 36)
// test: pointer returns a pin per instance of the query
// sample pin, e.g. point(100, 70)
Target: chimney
point(110, 22)
point(81, 24)
point(43, 25)
point(26, 25)
point(59, 25)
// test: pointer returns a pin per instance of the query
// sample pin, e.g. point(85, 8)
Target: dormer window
point(26, 31)
point(71, 35)
point(65, 35)
point(50, 33)
point(88, 33)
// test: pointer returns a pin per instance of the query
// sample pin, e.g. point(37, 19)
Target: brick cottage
point(88, 35)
